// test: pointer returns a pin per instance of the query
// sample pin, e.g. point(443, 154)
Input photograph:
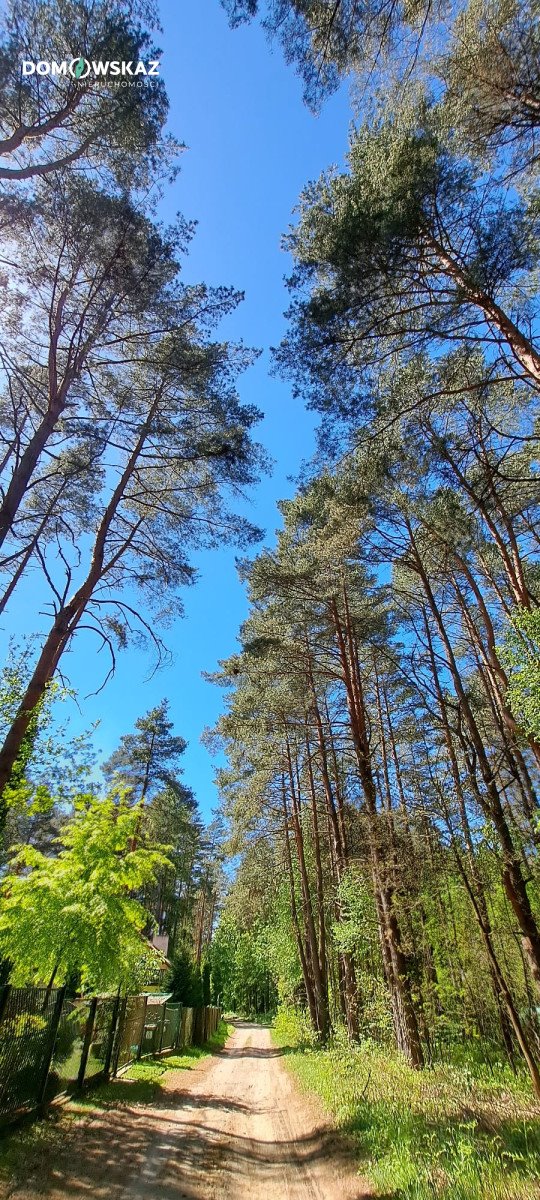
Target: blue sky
point(252, 146)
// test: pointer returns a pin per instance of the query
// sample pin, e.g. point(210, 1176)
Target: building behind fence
point(51, 1045)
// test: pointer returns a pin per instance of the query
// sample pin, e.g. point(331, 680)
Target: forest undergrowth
point(461, 1131)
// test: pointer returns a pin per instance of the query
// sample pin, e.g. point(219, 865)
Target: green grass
point(446, 1133)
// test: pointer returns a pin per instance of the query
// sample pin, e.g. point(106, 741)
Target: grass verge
point(445, 1133)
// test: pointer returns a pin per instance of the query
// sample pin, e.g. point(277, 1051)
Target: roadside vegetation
point(455, 1131)
point(381, 725)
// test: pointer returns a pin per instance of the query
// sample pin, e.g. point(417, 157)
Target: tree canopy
point(86, 122)
point(74, 912)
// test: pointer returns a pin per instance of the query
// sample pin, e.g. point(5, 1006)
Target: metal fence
point(51, 1045)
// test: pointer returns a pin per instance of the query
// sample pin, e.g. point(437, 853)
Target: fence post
point(178, 1038)
point(112, 1031)
point(120, 1021)
point(141, 1039)
point(180, 1024)
point(161, 1032)
point(57, 1013)
point(89, 1029)
point(4, 997)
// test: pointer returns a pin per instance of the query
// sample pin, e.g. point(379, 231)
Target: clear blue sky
point(252, 145)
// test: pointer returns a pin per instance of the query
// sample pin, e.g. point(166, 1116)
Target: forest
point(381, 724)
point(371, 872)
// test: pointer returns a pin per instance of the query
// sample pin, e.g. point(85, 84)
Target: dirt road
point(234, 1128)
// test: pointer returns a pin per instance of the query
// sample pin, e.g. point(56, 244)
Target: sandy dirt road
point(234, 1128)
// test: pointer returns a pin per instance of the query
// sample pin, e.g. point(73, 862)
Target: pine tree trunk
point(407, 1026)
point(321, 998)
point(306, 973)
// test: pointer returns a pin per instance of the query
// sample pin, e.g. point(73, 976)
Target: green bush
point(25, 1025)
point(292, 1027)
point(180, 978)
point(69, 1030)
